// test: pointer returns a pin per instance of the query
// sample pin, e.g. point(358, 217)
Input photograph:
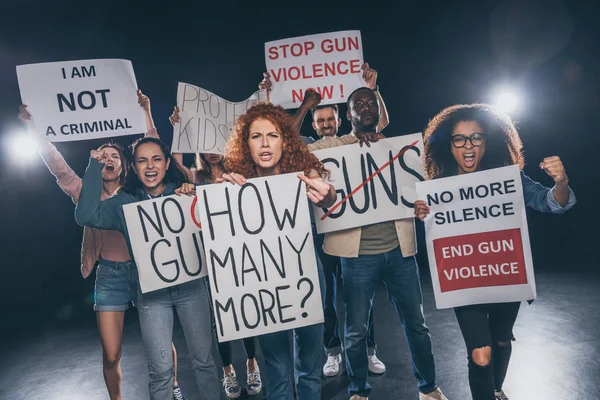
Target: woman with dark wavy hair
point(116, 281)
point(264, 143)
point(468, 138)
point(154, 174)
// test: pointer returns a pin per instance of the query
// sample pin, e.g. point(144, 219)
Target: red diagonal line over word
point(384, 166)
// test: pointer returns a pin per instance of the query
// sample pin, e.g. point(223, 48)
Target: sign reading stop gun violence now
point(79, 100)
point(329, 63)
point(477, 238)
point(166, 240)
point(374, 184)
point(261, 258)
point(206, 119)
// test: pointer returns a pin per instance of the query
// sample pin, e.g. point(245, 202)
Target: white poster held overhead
point(477, 238)
point(374, 184)
point(206, 119)
point(261, 258)
point(166, 240)
point(80, 100)
point(329, 63)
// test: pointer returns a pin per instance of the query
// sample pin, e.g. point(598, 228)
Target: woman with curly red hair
point(462, 139)
point(264, 143)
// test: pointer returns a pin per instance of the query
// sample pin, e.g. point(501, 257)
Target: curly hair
point(502, 146)
point(295, 156)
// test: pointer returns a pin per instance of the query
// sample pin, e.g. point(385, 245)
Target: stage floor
point(556, 354)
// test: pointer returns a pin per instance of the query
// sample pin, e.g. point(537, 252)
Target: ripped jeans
point(191, 302)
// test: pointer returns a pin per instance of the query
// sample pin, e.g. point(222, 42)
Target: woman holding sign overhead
point(116, 276)
point(468, 138)
point(155, 174)
point(263, 144)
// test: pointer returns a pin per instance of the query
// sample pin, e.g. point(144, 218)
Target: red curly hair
point(295, 155)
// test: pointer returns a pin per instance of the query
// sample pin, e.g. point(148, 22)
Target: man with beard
point(326, 122)
point(382, 251)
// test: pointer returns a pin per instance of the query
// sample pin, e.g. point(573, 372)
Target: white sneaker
point(500, 395)
point(332, 366)
point(357, 397)
point(231, 386)
point(435, 395)
point(375, 365)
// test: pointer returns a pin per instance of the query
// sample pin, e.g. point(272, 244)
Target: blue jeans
point(401, 277)
point(332, 338)
point(307, 359)
point(191, 302)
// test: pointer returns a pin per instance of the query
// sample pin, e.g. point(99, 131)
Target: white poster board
point(80, 100)
point(261, 258)
point(477, 238)
point(166, 239)
point(329, 63)
point(374, 184)
point(206, 119)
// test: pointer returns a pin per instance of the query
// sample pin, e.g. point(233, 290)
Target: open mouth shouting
point(469, 159)
point(151, 176)
point(265, 156)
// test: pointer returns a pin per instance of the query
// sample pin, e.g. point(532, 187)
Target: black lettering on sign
point(340, 192)
point(392, 192)
point(286, 213)
point(210, 214)
point(156, 224)
point(251, 208)
point(214, 259)
point(220, 308)
point(155, 266)
point(408, 169)
point(86, 100)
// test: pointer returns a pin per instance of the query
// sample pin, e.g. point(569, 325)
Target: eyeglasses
point(460, 141)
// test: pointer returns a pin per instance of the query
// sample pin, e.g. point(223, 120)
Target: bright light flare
point(21, 145)
point(507, 100)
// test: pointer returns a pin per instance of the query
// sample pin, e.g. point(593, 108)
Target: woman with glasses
point(468, 138)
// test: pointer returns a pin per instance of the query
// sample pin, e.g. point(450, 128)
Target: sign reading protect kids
point(79, 100)
point(329, 63)
point(477, 238)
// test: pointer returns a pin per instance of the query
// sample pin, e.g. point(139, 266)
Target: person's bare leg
point(175, 383)
point(110, 325)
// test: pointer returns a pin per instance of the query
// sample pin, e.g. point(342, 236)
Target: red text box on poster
point(480, 260)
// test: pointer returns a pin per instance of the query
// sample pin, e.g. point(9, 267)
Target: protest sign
point(261, 257)
point(329, 63)
point(79, 100)
point(374, 184)
point(206, 119)
point(477, 238)
point(166, 240)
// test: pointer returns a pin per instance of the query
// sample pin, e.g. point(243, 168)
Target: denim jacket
point(541, 198)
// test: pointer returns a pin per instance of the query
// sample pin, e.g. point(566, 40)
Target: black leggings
point(488, 325)
point(225, 350)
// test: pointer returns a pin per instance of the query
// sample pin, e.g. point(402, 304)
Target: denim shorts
point(116, 285)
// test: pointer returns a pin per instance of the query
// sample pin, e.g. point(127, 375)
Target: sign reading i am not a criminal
point(329, 63)
point(381, 180)
point(206, 120)
point(261, 258)
point(79, 100)
point(166, 240)
point(477, 238)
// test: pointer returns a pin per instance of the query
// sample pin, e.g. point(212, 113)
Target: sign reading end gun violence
point(261, 258)
point(166, 240)
point(329, 63)
point(374, 184)
point(79, 100)
point(477, 238)
point(206, 120)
